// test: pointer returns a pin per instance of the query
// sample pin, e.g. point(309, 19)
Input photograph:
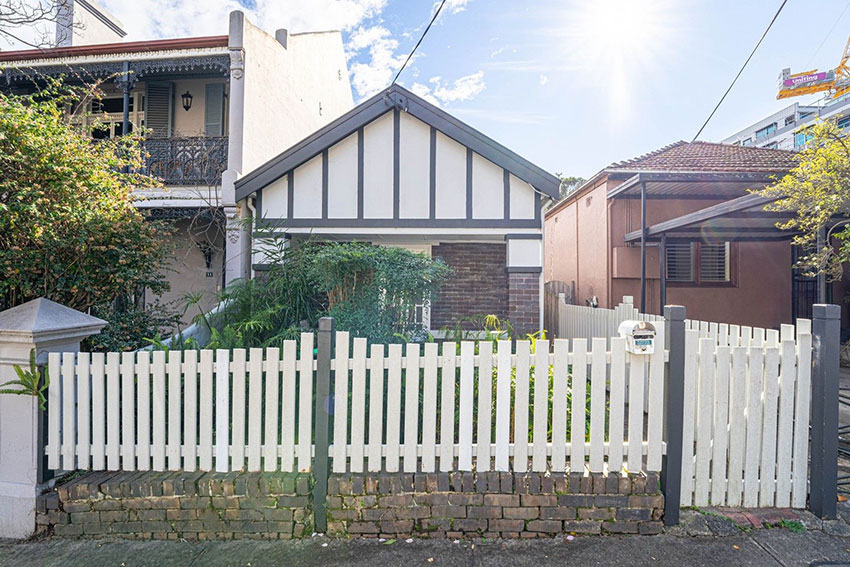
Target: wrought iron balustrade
point(186, 160)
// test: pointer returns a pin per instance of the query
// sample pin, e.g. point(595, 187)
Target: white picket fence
point(579, 321)
point(394, 408)
point(746, 417)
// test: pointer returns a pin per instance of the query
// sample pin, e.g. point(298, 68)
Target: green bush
point(371, 291)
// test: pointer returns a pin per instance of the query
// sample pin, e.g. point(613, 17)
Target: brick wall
point(508, 505)
point(524, 302)
point(478, 286)
point(200, 506)
point(174, 505)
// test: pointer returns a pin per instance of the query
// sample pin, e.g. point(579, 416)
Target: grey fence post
point(322, 413)
point(826, 329)
point(674, 401)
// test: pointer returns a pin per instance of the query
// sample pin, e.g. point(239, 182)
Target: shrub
point(372, 291)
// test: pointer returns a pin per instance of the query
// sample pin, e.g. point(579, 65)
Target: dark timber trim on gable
point(398, 98)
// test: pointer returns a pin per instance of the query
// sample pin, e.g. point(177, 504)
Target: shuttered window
point(714, 262)
point(699, 263)
point(214, 109)
point(680, 262)
point(159, 108)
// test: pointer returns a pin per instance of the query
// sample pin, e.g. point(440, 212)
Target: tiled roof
point(709, 156)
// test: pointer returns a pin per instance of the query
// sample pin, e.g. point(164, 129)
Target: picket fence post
point(46, 327)
point(674, 402)
point(826, 333)
point(322, 413)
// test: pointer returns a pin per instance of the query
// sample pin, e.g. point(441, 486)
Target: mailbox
point(639, 335)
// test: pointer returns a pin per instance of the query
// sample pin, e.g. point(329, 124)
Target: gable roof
point(396, 97)
point(709, 157)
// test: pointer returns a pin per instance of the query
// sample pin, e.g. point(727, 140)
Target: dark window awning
point(739, 220)
point(689, 185)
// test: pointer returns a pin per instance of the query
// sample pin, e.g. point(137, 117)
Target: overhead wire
point(415, 47)
point(744, 66)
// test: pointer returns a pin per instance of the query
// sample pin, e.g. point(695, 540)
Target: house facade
point(679, 226)
point(398, 171)
point(214, 107)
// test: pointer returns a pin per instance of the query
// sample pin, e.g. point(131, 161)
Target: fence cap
point(674, 312)
point(43, 319)
point(826, 311)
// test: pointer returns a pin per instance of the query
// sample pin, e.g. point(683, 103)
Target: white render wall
point(290, 91)
point(76, 24)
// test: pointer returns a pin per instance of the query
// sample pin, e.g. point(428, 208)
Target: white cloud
point(173, 18)
point(374, 75)
point(455, 6)
point(463, 89)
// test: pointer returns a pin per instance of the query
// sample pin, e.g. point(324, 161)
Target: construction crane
point(835, 82)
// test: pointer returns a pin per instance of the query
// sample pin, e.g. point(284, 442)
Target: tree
point(817, 191)
point(68, 227)
point(569, 184)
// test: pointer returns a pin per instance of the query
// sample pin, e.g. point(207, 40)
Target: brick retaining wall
point(177, 505)
point(508, 505)
point(198, 506)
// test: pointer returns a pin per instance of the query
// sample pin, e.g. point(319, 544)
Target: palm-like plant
point(29, 382)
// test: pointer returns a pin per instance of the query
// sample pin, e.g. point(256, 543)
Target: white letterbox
point(639, 335)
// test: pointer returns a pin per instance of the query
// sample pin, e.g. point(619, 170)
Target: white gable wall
point(400, 174)
point(451, 178)
point(378, 168)
point(414, 168)
point(275, 201)
point(342, 168)
point(307, 195)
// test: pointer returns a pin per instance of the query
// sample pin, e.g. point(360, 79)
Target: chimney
point(85, 22)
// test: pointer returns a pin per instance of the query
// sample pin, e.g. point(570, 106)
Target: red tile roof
point(709, 156)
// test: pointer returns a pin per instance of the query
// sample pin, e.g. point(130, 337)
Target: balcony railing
point(187, 161)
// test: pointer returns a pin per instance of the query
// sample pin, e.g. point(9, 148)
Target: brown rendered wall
point(759, 296)
point(576, 245)
point(478, 286)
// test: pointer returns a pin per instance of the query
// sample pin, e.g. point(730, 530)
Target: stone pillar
point(45, 326)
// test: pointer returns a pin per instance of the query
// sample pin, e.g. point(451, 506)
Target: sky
point(571, 85)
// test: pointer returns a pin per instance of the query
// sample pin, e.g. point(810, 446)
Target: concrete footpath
point(772, 547)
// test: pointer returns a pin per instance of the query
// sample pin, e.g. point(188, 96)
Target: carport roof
point(741, 219)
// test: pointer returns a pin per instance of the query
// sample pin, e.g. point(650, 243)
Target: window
point(747, 142)
point(771, 146)
point(790, 120)
point(801, 138)
point(714, 262)
point(699, 263)
point(844, 123)
point(766, 132)
point(680, 262)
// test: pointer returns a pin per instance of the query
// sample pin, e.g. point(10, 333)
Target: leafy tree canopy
point(817, 190)
point(569, 184)
point(68, 227)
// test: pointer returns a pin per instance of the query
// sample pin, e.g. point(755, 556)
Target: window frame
point(695, 268)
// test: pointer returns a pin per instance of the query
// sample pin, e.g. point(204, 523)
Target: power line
point(744, 66)
point(829, 33)
point(415, 47)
